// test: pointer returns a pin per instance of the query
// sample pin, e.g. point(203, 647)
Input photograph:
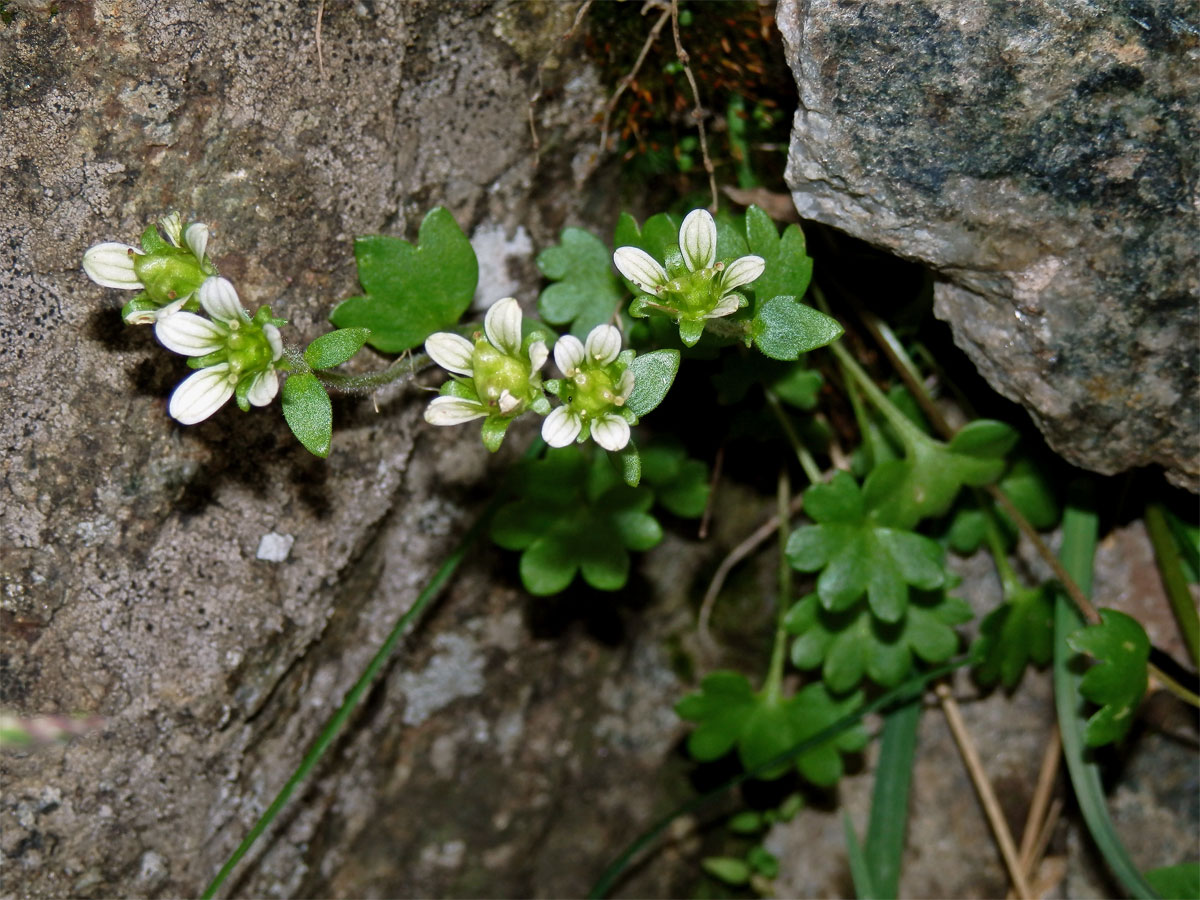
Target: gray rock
point(1042, 158)
point(136, 586)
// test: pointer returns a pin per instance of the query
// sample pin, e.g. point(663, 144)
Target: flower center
point(591, 393)
point(496, 372)
point(693, 293)
point(168, 273)
point(248, 350)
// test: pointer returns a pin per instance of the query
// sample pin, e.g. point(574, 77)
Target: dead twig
point(983, 787)
point(712, 490)
point(320, 54)
point(625, 82)
point(697, 109)
point(735, 556)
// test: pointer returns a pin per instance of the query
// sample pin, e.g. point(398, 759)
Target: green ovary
point(168, 274)
point(249, 350)
point(692, 294)
point(591, 393)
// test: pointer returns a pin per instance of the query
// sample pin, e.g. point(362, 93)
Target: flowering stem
point(404, 367)
point(811, 470)
point(775, 674)
point(1009, 581)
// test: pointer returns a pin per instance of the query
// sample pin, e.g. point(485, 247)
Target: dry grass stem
point(983, 787)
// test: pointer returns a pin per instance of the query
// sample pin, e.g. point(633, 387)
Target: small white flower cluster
point(705, 289)
point(235, 355)
point(497, 377)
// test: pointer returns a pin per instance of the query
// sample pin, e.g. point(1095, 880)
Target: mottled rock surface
point(1042, 158)
point(213, 591)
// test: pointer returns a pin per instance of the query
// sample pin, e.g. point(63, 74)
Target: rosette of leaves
point(852, 643)
point(763, 725)
point(858, 550)
point(574, 515)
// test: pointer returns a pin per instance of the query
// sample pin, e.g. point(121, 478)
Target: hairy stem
point(783, 506)
point(811, 470)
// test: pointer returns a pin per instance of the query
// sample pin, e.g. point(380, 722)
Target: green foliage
point(762, 726)
point(1187, 536)
point(860, 869)
point(927, 481)
point(729, 869)
point(853, 643)
point(784, 329)
point(1181, 882)
point(335, 348)
point(856, 555)
point(680, 483)
point(575, 516)
point(411, 292)
point(1030, 490)
point(1015, 634)
point(308, 412)
point(653, 375)
point(1118, 681)
point(788, 266)
point(586, 289)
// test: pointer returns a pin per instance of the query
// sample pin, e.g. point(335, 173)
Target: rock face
point(1042, 158)
point(211, 592)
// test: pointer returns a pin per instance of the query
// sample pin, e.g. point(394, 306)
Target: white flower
point(641, 268)
point(502, 380)
point(595, 388)
point(110, 265)
point(243, 353)
point(706, 290)
point(698, 240)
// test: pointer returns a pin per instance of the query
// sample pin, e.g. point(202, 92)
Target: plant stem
point(357, 692)
point(403, 368)
point(1175, 582)
point(1009, 581)
point(811, 470)
point(775, 673)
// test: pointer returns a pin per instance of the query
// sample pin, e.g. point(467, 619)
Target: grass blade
point(1080, 525)
point(860, 869)
point(889, 800)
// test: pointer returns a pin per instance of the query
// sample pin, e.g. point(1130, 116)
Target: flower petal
point(171, 308)
point(448, 410)
point(568, 354)
point(271, 333)
point(502, 325)
point(508, 402)
point(611, 432)
point(728, 305)
point(196, 237)
point(452, 352)
point(263, 388)
point(201, 394)
point(603, 344)
point(698, 240)
point(189, 334)
point(538, 354)
point(561, 427)
point(624, 385)
point(111, 265)
point(741, 271)
point(641, 268)
point(220, 300)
